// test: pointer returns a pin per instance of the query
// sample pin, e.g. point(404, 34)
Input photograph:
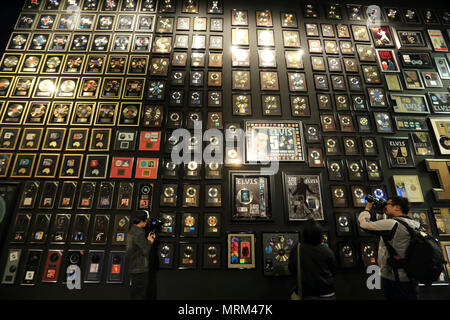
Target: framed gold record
point(60, 113)
point(269, 80)
point(23, 165)
point(162, 44)
point(11, 62)
point(73, 64)
point(39, 42)
point(77, 139)
point(241, 80)
point(125, 22)
point(31, 63)
point(9, 137)
point(59, 42)
point(100, 139)
point(95, 64)
point(52, 63)
point(106, 114)
point(239, 17)
point(6, 83)
point(31, 139)
point(67, 87)
point(142, 43)
point(80, 42)
point(101, 42)
point(83, 114)
point(54, 139)
point(198, 41)
point(14, 112)
point(117, 64)
point(265, 37)
point(121, 43)
point(45, 87)
point(138, 65)
point(215, 60)
point(239, 37)
point(215, 42)
point(37, 113)
point(164, 25)
point(71, 166)
point(111, 88)
point(89, 88)
point(240, 57)
point(291, 39)
point(200, 24)
point(130, 114)
point(47, 165)
point(134, 88)
point(5, 163)
point(18, 41)
point(183, 23)
point(264, 18)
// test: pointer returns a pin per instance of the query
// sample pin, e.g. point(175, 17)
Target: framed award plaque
point(94, 266)
point(189, 225)
point(302, 196)
point(408, 186)
point(121, 227)
point(60, 229)
point(122, 167)
point(241, 251)
point(440, 102)
point(274, 141)
point(277, 249)
point(446, 250)
point(52, 266)
point(96, 166)
point(441, 129)
point(5, 162)
point(23, 165)
point(147, 168)
point(421, 216)
point(33, 263)
point(212, 225)
point(399, 152)
point(116, 267)
point(212, 256)
point(21, 228)
point(80, 229)
point(410, 103)
point(187, 256)
point(39, 230)
point(387, 60)
point(251, 196)
point(442, 218)
point(166, 255)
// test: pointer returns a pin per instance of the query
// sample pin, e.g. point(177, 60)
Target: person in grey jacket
point(398, 236)
point(138, 251)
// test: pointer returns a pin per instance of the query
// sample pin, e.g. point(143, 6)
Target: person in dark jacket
point(138, 252)
point(317, 264)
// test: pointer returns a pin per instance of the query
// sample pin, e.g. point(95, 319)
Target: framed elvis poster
point(241, 251)
point(302, 196)
point(251, 195)
point(399, 152)
point(274, 141)
point(387, 60)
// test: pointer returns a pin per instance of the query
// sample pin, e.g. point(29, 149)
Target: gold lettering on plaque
point(442, 170)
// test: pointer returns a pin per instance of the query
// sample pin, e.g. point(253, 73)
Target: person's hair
point(402, 202)
point(139, 217)
point(312, 232)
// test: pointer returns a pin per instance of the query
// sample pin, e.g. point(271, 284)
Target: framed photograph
point(437, 40)
point(399, 152)
point(387, 60)
point(441, 129)
point(408, 186)
point(251, 196)
point(241, 251)
point(408, 103)
point(442, 218)
point(412, 79)
point(303, 196)
point(274, 141)
point(382, 36)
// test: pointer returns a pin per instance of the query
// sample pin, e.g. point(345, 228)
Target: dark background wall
point(250, 284)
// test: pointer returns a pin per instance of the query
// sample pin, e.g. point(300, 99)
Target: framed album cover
point(442, 218)
point(408, 186)
point(437, 40)
point(382, 36)
point(303, 196)
point(407, 103)
point(387, 60)
point(96, 166)
point(47, 165)
point(251, 195)
point(23, 165)
point(274, 141)
point(441, 129)
point(277, 248)
point(399, 152)
point(241, 251)
point(422, 143)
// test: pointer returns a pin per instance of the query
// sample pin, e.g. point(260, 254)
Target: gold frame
point(22, 116)
point(93, 132)
point(69, 139)
point(88, 44)
point(96, 123)
point(55, 169)
point(86, 65)
point(46, 44)
point(72, 119)
point(65, 156)
point(67, 56)
point(63, 130)
point(52, 38)
point(128, 67)
point(32, 165)
point(138, 114)
point(47, 56)
point(445, 244)
point(13, 90)
point(58, 87)
point(119, 93)
point(80, 88)
point(38, 68)
point(8, 164)
point(15, 34)
point(39, 140)
point(52, 94)
point(19, 63)
point(52, 110)
point(130, 37)
point(8, 91)
point(92, 44)
point(133, 23)
point(113, 26)
point(111, 56)
point(150, 43)
point(125, 96)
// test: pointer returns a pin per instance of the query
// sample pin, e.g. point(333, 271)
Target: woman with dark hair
point(317, 264)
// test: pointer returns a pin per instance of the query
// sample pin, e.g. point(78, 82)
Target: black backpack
point(424, 261)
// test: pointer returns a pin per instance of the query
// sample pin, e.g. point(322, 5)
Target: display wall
point(91, 93)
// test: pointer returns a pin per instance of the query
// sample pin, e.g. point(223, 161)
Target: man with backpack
point(396, 235)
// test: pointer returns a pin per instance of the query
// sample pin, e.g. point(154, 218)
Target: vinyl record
point(130, 112)
point(382, 119)
point(84, 111)
point(4, 83)
point(47, 85)
point(19, 40)
point(15, 110)
point(53, 62)
point(37, 110)
point(32, 62)
point(67, 86)
point(61, 111)
point(11, 61)
point(281, 251)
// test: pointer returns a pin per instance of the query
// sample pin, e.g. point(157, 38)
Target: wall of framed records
point(91, 92)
